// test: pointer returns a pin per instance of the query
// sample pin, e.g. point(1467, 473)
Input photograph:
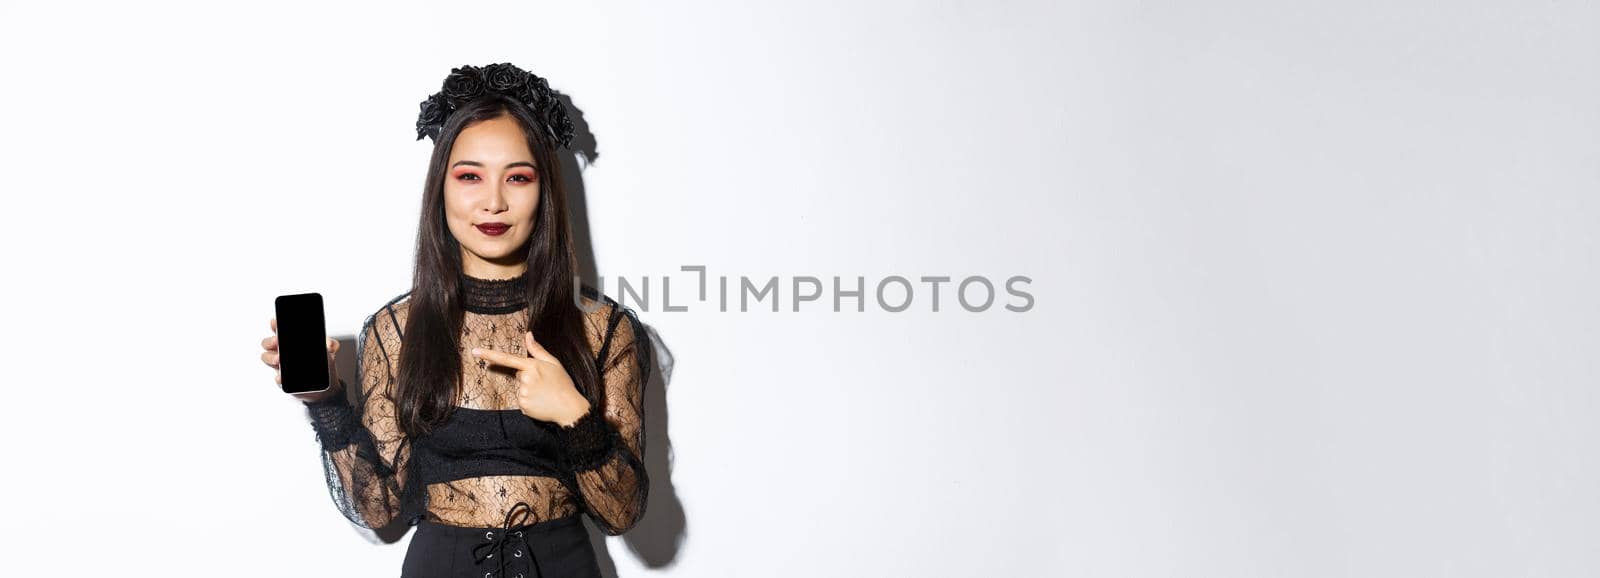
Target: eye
point(524, 178)
point(466, 176)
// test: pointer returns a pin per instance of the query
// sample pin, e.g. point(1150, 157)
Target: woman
point(493, 405)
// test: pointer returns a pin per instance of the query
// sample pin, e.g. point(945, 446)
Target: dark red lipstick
point(493, 229)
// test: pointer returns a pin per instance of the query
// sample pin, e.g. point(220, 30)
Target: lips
point(493, 229)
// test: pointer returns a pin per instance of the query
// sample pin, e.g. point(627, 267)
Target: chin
point(501, 249)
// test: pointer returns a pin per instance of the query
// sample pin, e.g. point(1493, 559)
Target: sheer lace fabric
point(489, 456)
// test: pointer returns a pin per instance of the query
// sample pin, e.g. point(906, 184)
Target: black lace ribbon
point(588, 442)
point(334, 421)
point(494, 296)
point(510, 532)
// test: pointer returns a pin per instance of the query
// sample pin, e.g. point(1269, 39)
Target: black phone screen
point(302, 343)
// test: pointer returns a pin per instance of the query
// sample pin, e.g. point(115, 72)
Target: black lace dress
point(492, 487)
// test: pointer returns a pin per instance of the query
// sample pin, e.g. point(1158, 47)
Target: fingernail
point(476, 351)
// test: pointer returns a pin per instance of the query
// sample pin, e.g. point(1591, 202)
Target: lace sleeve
point(366, 458)
point(605, 448)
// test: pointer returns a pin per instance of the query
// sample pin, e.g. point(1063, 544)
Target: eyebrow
point(509, 165)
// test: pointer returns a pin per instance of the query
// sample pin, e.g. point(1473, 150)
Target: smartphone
point(302, 343)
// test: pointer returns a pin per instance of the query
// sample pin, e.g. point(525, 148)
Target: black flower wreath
point(468, 82)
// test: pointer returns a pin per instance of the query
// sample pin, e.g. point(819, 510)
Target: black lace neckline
point(494, 296)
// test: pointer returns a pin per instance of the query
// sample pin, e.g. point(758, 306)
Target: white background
point(1315, 283)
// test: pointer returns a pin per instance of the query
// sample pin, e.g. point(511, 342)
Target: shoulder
point(605, 320)
point(389, 321)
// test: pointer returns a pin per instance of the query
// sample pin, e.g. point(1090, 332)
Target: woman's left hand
point(544, 389)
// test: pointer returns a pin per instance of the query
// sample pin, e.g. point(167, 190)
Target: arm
point(605, 447)
point(366, 458)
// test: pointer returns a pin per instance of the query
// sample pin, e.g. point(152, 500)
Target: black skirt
point(556, 548)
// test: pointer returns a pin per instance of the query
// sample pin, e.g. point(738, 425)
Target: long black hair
point(429, 376)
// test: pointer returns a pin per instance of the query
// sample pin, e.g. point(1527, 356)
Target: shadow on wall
point(658, 536)
point(656, 539)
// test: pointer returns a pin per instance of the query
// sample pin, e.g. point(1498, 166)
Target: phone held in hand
point(302, 343)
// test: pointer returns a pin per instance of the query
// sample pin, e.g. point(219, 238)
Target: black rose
point(433, 110)
point(535, 93)
point(431, 131)
point(464, 83)
point(538, 93)
point(527, 95)
point(503, 77)
point(431, 117)
point(539, 85)
point(558, 123)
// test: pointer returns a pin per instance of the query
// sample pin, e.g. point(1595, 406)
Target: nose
point(497, 198)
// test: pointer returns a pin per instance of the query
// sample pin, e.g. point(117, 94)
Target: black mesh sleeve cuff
point(334, 420)
point(588, 442)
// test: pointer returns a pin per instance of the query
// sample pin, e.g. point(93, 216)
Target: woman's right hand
point(269, 356)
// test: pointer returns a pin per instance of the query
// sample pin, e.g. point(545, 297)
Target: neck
point(482, 269)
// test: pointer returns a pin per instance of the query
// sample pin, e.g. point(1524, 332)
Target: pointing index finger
point(503, 358)
point(537, 351)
